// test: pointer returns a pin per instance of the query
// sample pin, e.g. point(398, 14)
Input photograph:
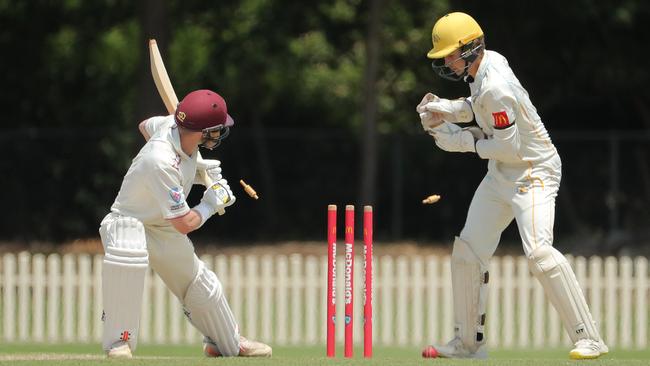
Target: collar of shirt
point(480, 73)
point(175, 138)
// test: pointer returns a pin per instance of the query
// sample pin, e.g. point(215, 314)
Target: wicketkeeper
point(149, 222)
point(524, 171)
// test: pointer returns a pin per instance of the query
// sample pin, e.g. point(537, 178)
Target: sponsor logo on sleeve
point(176, 194)
point(178, 199)
point(500, 119)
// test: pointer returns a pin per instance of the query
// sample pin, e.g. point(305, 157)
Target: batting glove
point(218, 196)
point(208, 168)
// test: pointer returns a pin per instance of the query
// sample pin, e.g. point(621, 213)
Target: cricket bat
point(168, 95)
point(161, 78)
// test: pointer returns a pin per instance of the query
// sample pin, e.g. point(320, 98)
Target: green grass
point(90, 354)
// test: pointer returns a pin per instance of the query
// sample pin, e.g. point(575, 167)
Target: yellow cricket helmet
point(451, 32)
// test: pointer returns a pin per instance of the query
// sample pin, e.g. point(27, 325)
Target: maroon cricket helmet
point(202, 109)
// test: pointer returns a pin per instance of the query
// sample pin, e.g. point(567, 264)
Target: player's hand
point(428, 97)
point(458, 110)
point(450, 137)
point(430, 120)
point(218, 196)
point(211, 168)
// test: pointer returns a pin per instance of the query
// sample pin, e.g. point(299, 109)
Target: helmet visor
point(468, 53)
point(442, 68)
point(212, 136)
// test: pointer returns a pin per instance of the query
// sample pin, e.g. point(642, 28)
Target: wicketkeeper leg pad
point(207, 309)
point(469, 275)
point(123, 270)
point(553, 271)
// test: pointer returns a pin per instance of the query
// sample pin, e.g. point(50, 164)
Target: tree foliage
point(293, 75)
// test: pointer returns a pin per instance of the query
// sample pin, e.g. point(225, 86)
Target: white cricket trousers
point(496, 202)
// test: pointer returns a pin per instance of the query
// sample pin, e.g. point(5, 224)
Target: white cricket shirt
point(160, 177)
point(518, 145)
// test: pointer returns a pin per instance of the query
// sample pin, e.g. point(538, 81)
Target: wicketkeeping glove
point(452, 138)
point(428, 97)
point(477, 132)
point(458, 110)
point(429, 120)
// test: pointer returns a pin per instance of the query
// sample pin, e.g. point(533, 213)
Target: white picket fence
point(281, 300)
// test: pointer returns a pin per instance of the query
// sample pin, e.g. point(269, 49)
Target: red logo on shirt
point(501, 119)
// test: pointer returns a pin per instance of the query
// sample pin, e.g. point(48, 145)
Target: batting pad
point(469, 278)
point(553, 271)
point(123, 270)
point(207, 309)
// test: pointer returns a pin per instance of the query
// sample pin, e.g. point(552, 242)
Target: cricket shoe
point(247, 348)
point(587, 349)
point(119, 349)
point(456, 349)
point(603, 347)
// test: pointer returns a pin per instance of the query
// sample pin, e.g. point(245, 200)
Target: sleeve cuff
point(204, 211)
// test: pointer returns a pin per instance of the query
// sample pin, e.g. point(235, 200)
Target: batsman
point(148, 225)
point(522, 181)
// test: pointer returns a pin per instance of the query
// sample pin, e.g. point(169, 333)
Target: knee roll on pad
point(123, 232)
point(207, 309)
point(469, 277)
point(124, 241)
point(553, 271)
point(123, 270)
